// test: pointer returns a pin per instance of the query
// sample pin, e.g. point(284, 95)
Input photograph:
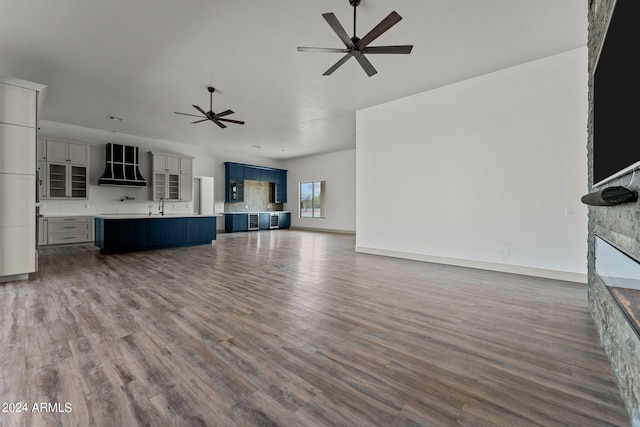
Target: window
point(312, 196)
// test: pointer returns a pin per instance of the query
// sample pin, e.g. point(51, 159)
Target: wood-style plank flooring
point(293, 328)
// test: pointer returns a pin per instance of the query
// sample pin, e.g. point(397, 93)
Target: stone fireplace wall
point(621, 225)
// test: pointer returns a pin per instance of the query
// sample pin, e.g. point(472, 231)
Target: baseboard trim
point(14, 277)
point(481, 265)
point(325, 230)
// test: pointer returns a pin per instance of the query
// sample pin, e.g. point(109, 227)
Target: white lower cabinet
point(65, 230)
point(43, 233)
point(17, 225)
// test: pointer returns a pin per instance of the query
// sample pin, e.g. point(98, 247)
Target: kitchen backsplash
point(257, 196)
point(107, 200)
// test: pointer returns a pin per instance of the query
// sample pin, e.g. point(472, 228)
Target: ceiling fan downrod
point(211, 90)
point(355, 4)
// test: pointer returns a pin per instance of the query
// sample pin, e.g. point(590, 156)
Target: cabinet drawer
point(67, 219)
point(55, 239)
point(69, 227)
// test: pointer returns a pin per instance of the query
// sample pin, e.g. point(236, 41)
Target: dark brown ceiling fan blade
point(322, 49)
point(366, 65)
point(224, 113)
point(338, 29)
point(337, 65)
point(388, 49)
point(199, 121)
point(392, 19)
point(239, 122)
point(202, 111)
point(216, 121)
point(187, 114)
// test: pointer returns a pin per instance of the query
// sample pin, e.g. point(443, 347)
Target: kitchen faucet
point(161, 206)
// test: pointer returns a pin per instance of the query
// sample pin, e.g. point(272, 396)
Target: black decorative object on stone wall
point(610, 196)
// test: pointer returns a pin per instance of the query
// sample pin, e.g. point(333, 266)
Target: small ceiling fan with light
point(358, 47)
point(210, 115)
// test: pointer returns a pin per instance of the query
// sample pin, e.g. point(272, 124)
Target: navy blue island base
point(138, 233)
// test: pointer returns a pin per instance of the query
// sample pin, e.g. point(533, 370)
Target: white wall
point(106, 199)
point(338, 170)
point(486, 173)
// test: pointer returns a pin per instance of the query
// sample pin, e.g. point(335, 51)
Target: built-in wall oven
point(254, 221)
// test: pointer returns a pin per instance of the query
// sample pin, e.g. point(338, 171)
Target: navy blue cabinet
point(284, 219)
point(279, 188)
point(237, 173)
point(234, 175)
point(283, 187)
point(135, 234)
point(199, 229)
point(166, 232)
point(236, 222)
point(263, 220)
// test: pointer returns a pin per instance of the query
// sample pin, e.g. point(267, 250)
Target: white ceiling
point(144, 59)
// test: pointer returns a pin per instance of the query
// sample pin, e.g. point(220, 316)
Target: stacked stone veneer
point(620, 225)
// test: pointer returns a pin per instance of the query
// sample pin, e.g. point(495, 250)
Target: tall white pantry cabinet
point(19, 104)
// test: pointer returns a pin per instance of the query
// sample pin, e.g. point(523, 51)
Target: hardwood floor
point(294, 328)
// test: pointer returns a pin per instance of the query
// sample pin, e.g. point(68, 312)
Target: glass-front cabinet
point(66, 181)
point(79, 181)
point(57, 180)
point(66, 169)
point(174, 187)
point(172, 176)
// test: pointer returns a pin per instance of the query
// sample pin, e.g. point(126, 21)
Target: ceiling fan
point(356, 47)
point(210, 115)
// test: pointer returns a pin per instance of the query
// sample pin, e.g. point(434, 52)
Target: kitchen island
point(136, 232)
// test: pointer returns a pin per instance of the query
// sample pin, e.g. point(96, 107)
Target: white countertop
point(59, 215)
point(258, 212)
point(143, 216)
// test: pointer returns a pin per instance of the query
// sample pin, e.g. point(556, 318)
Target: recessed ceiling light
point(116, 118)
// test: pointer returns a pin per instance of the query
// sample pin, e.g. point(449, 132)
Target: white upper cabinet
point(18, 105)
point(42, 150)
point(186, 165)
point(67, 152)
point(169, 163)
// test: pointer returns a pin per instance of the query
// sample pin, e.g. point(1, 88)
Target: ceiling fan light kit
point(358, 47)
point(210, 115)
